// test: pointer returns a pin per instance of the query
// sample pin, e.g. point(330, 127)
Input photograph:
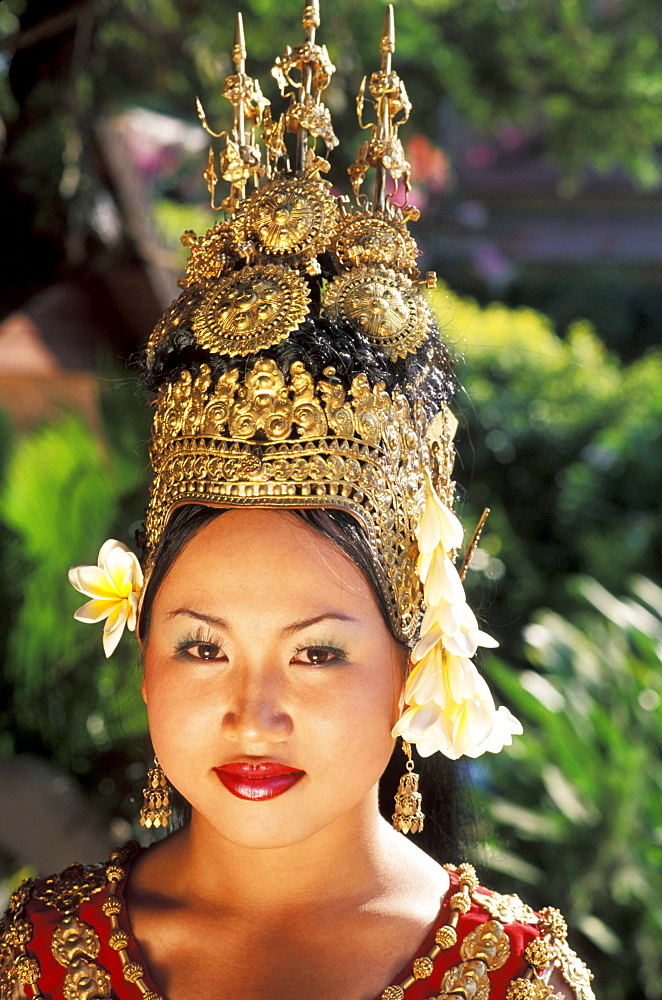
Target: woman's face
point(271, 680)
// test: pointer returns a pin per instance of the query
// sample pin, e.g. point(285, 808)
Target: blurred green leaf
point(578, 796)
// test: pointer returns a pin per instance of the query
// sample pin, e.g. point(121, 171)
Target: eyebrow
point(298, 626)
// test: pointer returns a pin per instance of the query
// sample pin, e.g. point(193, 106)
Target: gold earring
point(156, 805)
point(408, 817)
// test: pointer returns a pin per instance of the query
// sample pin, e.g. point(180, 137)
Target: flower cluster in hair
point(450, 707)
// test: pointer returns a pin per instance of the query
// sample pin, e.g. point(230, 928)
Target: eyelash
point(322, 647)
point(204, 637)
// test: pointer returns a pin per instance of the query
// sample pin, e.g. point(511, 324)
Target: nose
point(255, 715)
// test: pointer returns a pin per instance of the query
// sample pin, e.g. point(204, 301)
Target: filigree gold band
point(272, 442)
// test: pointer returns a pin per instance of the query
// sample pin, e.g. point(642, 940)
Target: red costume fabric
point(68, 937)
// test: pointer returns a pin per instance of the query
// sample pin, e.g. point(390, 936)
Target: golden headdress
point(289, 251)
point(294, 370)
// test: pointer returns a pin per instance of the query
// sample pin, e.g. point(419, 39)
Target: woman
point(299, 525)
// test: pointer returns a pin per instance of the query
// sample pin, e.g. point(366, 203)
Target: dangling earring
point(156, 805)
point(408, 817)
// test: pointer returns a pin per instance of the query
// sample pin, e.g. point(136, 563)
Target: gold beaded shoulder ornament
point(288, 250)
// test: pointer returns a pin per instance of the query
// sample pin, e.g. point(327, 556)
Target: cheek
point(376, 702)
point(173, 704)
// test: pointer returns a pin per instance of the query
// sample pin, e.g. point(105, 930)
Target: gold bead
point(519, 989)
point(529, 989)
point(118, 940)
point(539, 953)
point(114, 873)
point(26, 969)
point(111, 906)
point(460, 902)
point(446, 937)
point(393, 993)
point(423, 967)
point(132, 972)
point(18, 933)
point(552, 922)
point(468, 877)
point(121, 854)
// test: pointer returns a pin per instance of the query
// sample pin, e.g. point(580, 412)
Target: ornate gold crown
point(285, 252)
point(248, 278)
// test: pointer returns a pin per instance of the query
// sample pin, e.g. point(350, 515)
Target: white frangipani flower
point(463, 640)
point(450, 708)
point(419, 723)
point(439, 527)
point(472, 724)
point(446, 616)
point(464, 681)
point(440, 578)
point(114, 585)
point(505, 727)
point(426, 681)
point(469, 728)
point(466, 639)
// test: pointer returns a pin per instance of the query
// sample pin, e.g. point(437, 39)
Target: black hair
point(424, 376)
point(339, 526)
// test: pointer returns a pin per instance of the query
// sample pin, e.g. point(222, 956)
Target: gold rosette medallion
point(371, 239)
point(385, 306)
point(288, 218)
point(210, 254)
point(251, 309)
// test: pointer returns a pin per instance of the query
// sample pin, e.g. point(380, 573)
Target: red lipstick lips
point(264, 779)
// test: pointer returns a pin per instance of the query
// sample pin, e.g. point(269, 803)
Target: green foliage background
point(62, 489)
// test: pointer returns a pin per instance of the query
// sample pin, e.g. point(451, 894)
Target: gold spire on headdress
point(240, 160)
point(307, 115)
point(383, 150)
point(376, 288)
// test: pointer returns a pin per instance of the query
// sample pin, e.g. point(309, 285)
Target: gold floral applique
point(577, 975)
point(509, 909)
point(483, 950)
point(75, 885)
point(73, 937)
point(86, 981)
point(468, 980)
point(489, 942)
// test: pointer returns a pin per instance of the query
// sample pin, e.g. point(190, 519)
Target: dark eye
point(204, 651)
point(318, 656)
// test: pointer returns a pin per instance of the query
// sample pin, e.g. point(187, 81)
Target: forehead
point(268, 557)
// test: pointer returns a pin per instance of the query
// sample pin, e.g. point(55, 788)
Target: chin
point(268, 833)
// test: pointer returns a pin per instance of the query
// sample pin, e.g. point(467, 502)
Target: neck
point(352, 860)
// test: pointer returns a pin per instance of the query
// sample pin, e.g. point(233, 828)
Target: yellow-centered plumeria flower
point(450, 708)
point(114, 586)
